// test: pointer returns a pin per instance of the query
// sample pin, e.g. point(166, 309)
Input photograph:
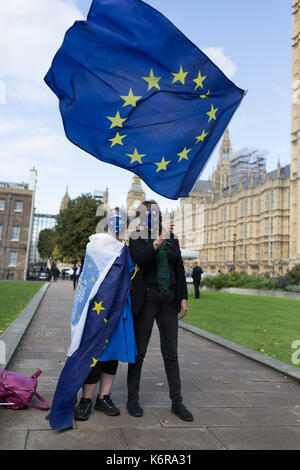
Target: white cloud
point(31, 33)
point(223, 61)
point(40, 147)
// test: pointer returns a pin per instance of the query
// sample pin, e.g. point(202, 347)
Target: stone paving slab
point(258, 438)
point(83, 439)
point(237, 402)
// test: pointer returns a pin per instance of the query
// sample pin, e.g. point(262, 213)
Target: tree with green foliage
point(47, 242)
point(75, 224)
point(293, 276)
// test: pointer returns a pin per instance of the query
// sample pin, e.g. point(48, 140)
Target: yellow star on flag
point(162, 165)
point(183, 154)
point(94, 362)
point(201, 137)
point(118, 139)
point(199, 80)
point(105, 320)
point(180, 76)
point(116, 121)
point(135, 156)
point(205, 96)
point(212, 113)
point(152, 81)
point(98, 307)
point(130, 99)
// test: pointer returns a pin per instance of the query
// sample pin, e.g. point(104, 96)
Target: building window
point(224, 254)
point(267, 202)
point(12, 259)
point(271, 250)
point(245, 252)
point(15, 234)
point(258, 229)
point(18, 206)
point(246, 208)
point(271, 225)
point(206, 255)
point(267, 226)
point(225, 234)
point(207, 236)
point(258, 206)
point(208, 221)
point(0, 232)
point(272, 200)
point(225, 213)
point(246, 231)
point(2, 204)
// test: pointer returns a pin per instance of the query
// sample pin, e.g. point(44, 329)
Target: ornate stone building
point(241, 225)
point(295, 156)
point(135, 195)
point(16, 220)
point(253, 223)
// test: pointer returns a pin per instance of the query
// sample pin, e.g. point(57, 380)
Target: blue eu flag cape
point(136, 93)
point(101, 296)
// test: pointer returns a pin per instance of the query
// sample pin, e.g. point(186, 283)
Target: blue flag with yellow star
point(136, 93)
point(104, 307)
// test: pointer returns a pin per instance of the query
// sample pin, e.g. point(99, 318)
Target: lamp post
point(234, 243)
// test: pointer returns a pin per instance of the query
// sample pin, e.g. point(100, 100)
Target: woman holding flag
point(102, 328)
point(159, 292)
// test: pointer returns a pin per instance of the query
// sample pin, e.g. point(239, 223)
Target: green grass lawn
point(265, 324)
point(14, 296)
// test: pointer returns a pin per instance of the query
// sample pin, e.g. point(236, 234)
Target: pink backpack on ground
point(17, 390)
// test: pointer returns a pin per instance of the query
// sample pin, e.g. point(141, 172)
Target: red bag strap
point(37, 373)
point(27, 403)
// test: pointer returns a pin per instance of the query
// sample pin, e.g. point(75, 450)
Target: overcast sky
point(250, 40)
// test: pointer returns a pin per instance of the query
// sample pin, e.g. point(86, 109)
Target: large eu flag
point(136, 93)
point(95, 315)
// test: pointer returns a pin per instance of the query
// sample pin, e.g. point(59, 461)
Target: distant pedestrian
point(55, 272)
point(77, 268)
point(197, 276)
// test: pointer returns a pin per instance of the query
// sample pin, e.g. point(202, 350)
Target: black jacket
point(197, 273)
point(143, 253)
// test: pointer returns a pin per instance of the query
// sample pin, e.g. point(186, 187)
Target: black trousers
point(196, 289)
point(75, 281)
point(162, 308)
point(108, 367)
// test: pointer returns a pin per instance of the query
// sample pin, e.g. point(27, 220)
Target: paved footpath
point(237, 403)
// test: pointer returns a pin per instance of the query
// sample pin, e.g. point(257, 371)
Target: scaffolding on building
point(245, 163)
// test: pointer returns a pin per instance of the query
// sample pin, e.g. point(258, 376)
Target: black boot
point(134, 408)
point(180, 410)
point(83, 409)
point(106, 405)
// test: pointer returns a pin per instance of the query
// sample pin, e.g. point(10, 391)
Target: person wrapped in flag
point(102, 331)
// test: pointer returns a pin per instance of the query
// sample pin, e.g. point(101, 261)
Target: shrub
point(236, 279)
point(292, 288)
point(293, 276)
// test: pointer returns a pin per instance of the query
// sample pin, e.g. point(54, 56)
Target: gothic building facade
point(238, 224)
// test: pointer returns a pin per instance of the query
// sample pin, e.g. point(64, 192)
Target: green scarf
point(163, 275)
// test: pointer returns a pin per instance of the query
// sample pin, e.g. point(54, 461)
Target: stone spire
point(221, 174)
point(225, 150)
point(65, 200)
point(136, 194)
